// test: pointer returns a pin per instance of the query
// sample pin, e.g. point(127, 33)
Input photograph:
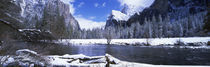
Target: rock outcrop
point(25, 58)
point(44, 15)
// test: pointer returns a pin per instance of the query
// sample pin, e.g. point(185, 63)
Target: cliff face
point(58, 19)
point(176, 9)
point(46, 15)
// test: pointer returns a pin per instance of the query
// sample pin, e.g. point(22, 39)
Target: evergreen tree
point(207, 21)
point(160, 27)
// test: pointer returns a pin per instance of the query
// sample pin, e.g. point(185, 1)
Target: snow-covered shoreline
point(152, 41)
point(28, 58)
point(101, 62)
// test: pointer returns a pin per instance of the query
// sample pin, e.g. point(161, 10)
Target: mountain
point(123, 15)
point(175, 9)
point(45, 15)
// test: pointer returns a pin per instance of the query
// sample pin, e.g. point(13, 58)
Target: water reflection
point(151, 55)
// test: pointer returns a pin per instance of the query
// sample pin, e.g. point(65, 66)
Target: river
point(152, 54)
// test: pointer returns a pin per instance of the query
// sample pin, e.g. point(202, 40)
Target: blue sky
point(96, 10)
point(93, 13)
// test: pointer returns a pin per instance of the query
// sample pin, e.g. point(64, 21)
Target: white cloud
point(142, 3)
point(83, 22)
point(89, 24)
point(100, 5)
point(71, 6)
point(67, 1)
point(81, 4)
point(96, 4)
point(92, 17)
point(104, 4)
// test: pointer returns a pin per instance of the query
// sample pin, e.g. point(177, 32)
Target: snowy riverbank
point(28, 58)
point(152, 41)
point(101, 61)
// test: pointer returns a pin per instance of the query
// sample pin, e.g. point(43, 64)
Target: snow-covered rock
point(130, 10)
point(78, 60)
point(25, 52)
point(100, 61)
point(21, 30)
point(130, 7)
point(35, 35)
point(134, 6)
point(119, 16)
point(24, 58)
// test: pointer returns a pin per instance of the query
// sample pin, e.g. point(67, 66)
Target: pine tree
point(169, 30)
point(160, 25)
point(148, 29)
point(207, 21)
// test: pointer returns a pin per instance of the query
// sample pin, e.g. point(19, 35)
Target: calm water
point(151, 55)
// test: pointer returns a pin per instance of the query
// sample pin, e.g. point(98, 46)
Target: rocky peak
point(176, 9)
point(131, 9)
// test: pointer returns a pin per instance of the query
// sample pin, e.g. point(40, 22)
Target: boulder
point(35, 35)
point(26, 58)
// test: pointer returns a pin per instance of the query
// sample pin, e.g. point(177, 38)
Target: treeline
point(152, 28)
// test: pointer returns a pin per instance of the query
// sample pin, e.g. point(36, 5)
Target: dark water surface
point(141, 54)
point(151, 55)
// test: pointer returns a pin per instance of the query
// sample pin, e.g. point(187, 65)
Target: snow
point(21, 30)
point(22, 5)
point(80, 60)
point(19, 52)
point(4, 21)
point(152, 41)
point(130, 10)
point(130, 7)
point(6, 59)
point(137, 3)
point(64, 60)
point(117, 15)
point(59, 60)
point(10, 59)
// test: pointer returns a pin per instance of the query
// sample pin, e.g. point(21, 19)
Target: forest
point(157, 27)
